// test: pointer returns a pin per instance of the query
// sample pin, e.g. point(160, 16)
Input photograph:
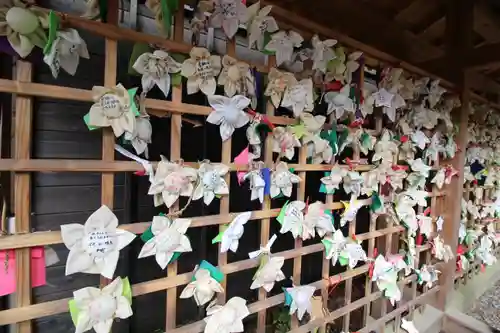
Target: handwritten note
point(8, 270)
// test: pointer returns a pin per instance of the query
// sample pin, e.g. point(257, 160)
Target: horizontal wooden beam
point(478, 58)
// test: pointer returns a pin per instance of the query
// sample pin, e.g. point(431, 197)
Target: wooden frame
point(22, 165)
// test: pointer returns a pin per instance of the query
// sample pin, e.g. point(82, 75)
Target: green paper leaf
point(218, 238)
point(267, 39)
point(138, 50)
point(292, 170)
point(322, 187)
point(147, 235)
point(53, 27)
point(299, 130)
point(166, 14)
point(133, 106)
point(86, 119)
point(376, 202)
point(343, 261)
point(365, 140)
point(73, 310)
point(176, 79)
point(328, 212)
point(127, 289)
point(215, 273)
point(262, 262)
point(281, 215)
point(288, 298)
point(327, 244)
point(331, 137)
point(179, 57)
point(175, 256)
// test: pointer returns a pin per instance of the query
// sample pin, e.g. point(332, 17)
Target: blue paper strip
point(266, 174)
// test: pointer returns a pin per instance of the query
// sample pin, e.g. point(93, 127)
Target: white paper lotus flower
point(408, 326)
point(228, 14)
point(473, 210)
point(237, 78)
point(334, 245)
point(285, 142)
point(361, 139)
point(200, 69)
point(282, 43)
point(418, 197)
point(94, 248)
point(211, 182)
point(257, 185)
point(406, 213)
point(484, 250)
point(168, 237)
point(407, 151)
point(323, 52)
point(439, 178)
point(318, 219)
point(435, 93)
point(386, 278)
point(354, 252)
point(395, 178)
point(259, 22)
point(23, 25)
point(390, 102)
point(372, 179)
point(155, 69)
point(420, 167)
point(277, 83)
point(298, 97)
point(431, 154)
point(340, 102)
point(425, 225)
point(141, 136)
point(352, 183)
point(333, 180)
point(233, 233)
point(269, 273)
point(351, 209)
point(113, 107)
point(441, 250)
point(227, 318)
point(398, 263)
point(301, 300)
point(282, 181)
point(296, 65)
point(293, 218)
point(385, 148)
point(65, 52)
point(171, 180)
point(318, 149)
point(202, 288)
point(428, 275)
point(97, 308)
point(228, 113)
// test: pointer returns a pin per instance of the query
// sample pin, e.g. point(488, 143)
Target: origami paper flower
point(418, 197)
point(406, 213)
point(168, 238)
point(385, 148)
point(228, 113)
point(352, 65)
point(407, 151)
point(228, 14)
point(65, 52)
point(268, 273)
point(141, 136)
point(296, 65)
point(211, 182)
point(202, 288)
point(395, 178)
point(317, 148)
point(441, 250)
point(94, 248)
point(227, 318)
point(408, 326)
point(351, 209)
point(200, 70)
point(386, 278)
point(334, 245)
point(371, 181)
point(318, 219)
point(113, 107)
point(418, 177)
point(23, 26)
point(483, 252)
point(352, 253)
point(277, 83)
point(293, 218)
point(450, 148)
point(234, 231)
point(390, 102)
point(282, 43)
point(282, 181)
point(340, 102)
point(171, 180)
point(435, 148)
point(425, 225)
point(333, 180)
point(97, 308)
point(259, 22)
point(427, 275)
point(359, 138)
point(322, 53)
point(237, 78)
point(301, 299)
point(473, 210)
point(298, 97)
point(257, 184)
point(285, 141)
point(435, 93)
point(352, 183)
point(155, 69)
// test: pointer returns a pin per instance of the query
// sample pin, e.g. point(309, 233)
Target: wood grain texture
point(22, 191)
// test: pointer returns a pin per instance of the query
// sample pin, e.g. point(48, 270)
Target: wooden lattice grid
point(22, 165)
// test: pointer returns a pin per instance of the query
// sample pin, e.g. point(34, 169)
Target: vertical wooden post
point(459, 22)
point(22, 191)
point(108, 137)
point(175, 154)
point(265, 223)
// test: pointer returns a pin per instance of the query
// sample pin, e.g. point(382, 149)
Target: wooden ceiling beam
point(376, 36)
point(479, 58)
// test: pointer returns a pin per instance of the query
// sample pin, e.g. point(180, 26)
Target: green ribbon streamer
point(168, 7)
